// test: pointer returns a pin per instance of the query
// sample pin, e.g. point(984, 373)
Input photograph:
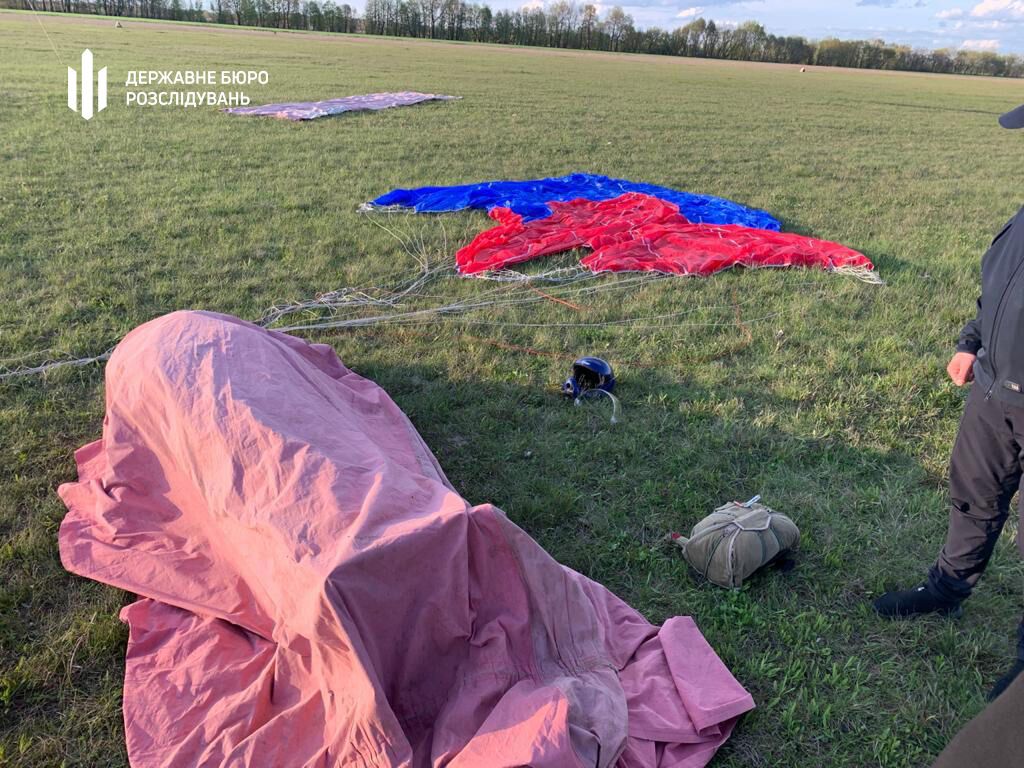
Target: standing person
point(987, 465)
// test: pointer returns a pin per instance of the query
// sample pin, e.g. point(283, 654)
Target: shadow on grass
point(679, 450)
point(601, 497)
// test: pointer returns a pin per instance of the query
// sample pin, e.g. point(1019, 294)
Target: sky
point(991, 25)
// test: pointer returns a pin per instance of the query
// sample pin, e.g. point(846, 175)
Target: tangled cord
point(402, 304)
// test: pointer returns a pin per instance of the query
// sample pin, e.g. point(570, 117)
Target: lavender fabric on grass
point(310, 110)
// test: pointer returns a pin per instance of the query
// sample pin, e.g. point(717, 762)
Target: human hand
point(961, 368)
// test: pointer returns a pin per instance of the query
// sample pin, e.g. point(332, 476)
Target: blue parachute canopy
point(530, 199)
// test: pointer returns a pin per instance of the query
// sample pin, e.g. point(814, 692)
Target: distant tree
point(562, 20)
point(563, 24)
point(485, 24)
point(588, 25)
point(695, 36)
point(346, 18)
point(616, 25)
point(430, 11)
point(314, 16)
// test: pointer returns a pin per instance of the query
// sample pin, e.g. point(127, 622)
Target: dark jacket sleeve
point(970, 336)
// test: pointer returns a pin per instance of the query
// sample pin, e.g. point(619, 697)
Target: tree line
point(560, 24)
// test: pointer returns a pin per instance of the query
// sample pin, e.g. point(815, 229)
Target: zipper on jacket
point(995, 327)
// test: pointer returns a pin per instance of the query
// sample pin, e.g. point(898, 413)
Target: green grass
point(823, 394)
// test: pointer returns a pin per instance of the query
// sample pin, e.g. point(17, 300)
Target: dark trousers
point(985, 472)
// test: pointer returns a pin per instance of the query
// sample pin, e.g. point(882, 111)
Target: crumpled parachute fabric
point(314, 593)
point(639, 233)
point(311, 110)
point(531, 199)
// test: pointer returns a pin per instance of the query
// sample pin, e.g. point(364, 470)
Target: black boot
point(914, 602)
point(1006, 680)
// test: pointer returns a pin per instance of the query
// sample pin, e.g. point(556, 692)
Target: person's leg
point(1020, 548)
point(984, 473)
point(1017, 669)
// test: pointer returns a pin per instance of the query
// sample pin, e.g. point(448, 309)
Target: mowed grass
point(824, 394)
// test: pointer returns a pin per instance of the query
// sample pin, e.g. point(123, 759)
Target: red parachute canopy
point(639, 233)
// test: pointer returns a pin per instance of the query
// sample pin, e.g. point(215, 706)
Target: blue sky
point(996, 25)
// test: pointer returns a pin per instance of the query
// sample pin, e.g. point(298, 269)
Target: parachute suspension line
point(402, 304)
point(406, 241)
point(863, 274)
point(348, 298)
point(616, 407)
point(50, 365)
point(558, 275)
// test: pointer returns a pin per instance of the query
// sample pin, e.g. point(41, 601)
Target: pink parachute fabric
point(639, 233)
point(315, 593)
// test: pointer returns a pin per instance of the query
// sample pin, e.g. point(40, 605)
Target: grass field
point(822, 393)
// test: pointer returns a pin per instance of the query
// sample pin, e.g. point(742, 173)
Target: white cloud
point(980, 45)
point(686, 13)
point(1013, 9)
point(952, 13)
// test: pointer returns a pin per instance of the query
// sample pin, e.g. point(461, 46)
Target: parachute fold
point(640, 233)
point(532, 199)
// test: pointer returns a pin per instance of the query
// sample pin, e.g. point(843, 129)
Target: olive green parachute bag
point(735, 540)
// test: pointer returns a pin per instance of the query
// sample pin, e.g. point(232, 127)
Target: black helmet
point(589, 373)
